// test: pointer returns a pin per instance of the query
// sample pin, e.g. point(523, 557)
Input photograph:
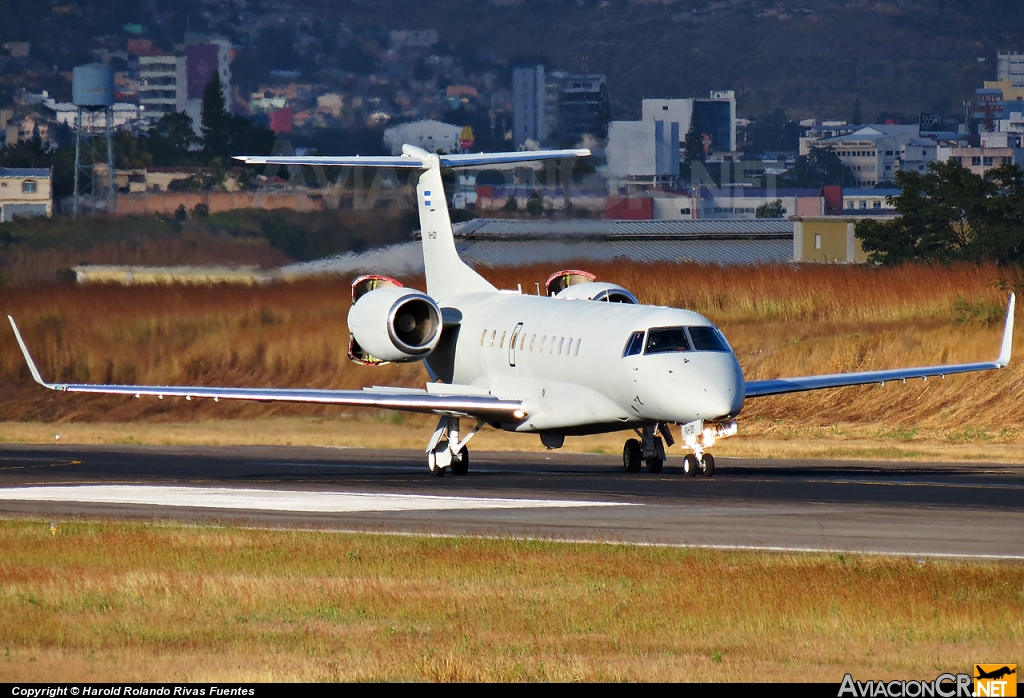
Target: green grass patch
point(124, 601)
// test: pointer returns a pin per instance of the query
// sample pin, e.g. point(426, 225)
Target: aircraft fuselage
point(565, 360)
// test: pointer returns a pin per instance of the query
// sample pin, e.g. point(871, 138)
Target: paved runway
point(918, 509)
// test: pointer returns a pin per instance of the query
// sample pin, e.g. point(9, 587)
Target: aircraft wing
point(777, 386)
point(485, 407)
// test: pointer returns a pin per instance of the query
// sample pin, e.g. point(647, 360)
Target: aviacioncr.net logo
point(943, 686)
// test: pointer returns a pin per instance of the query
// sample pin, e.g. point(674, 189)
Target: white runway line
point(277, 500)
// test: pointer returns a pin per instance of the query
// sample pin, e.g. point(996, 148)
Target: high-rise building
point(583, 108)
point(1010, 66)
point(161, 85)
point(715, 116)
point(528, 105)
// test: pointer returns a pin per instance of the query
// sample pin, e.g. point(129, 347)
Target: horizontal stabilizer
point(411, 161)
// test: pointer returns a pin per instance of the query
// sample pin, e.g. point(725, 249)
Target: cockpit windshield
point(708, 339)
point(634, 345)
point(664, 339)
point(671, 339)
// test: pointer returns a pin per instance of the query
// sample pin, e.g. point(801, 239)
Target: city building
point(169, 84)
point(873, 152)
point(643, 152)
point(161, 86)
point(529, 112)
point(1010, 66)
point(868, 200)
point(202, 60)
point(431, 135)
point(555, 106)
point(25, 192)
point(583, 108)
point(980, 160)
point(715, 116)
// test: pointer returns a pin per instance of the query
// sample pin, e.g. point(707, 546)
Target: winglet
point(28, 359)
point(1004, 351)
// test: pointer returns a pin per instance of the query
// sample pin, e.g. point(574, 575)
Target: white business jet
point(585, 359)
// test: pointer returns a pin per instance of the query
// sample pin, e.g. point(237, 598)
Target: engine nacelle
point(598, 291)
point(392, 323)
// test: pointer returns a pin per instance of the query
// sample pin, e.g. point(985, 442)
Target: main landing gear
point(445, 450)
point(649, 449)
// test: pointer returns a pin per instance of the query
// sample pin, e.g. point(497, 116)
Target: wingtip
point(1007, 345)
point(36, 376)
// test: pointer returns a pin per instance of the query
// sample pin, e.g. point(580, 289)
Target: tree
point(535, 204)
point(216, 122)
point(172, 140)
point(693, 147)
point(769, 209)
point(820, 167)
point(949, 214)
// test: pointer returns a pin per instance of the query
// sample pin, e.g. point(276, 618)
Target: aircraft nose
point(723, 391)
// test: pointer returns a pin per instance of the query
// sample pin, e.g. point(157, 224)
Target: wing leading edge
point(777, 386)
point(485, 407)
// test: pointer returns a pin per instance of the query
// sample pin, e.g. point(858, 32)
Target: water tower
point(92, 91)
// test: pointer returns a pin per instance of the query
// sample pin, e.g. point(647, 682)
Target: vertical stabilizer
point(447, 275)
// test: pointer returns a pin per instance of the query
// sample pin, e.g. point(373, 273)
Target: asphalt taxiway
point(970, 510)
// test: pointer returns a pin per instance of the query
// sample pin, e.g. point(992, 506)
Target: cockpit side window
point(665, 339)
point(708, 339)
point(634, 345)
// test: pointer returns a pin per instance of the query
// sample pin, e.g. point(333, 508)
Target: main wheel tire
point(707, 465)
point(632, 456)
point(690, 465)
point(460, 465)
point(432, 464)
point(654, 465)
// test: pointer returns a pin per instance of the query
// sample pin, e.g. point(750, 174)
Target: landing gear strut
point(698, 436)
point(648, 450)
point(446, 450)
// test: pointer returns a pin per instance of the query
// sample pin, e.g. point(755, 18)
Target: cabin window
point(483, 336)
point(634, 345)
point(568, 347)
point(522, 342)
point(561, 341)
point(540, 347)
point(577, 347)
point(708, 339)
point(666, 339)
point(532, 338)
point(493, 335)
point(551, 347)
point(501, 342)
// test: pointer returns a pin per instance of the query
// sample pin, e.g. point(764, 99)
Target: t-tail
point(447, 275)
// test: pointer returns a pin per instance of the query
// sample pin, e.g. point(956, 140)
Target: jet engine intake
point(598, 291)
point(392, 323)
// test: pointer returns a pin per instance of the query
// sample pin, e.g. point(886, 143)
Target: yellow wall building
point(828, 239)
point(25, 192)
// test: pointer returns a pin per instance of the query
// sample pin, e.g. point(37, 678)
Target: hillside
point(809, 57)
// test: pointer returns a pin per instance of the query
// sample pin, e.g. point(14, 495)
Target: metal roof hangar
point(500, 242)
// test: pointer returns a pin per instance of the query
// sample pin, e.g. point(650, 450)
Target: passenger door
point(512, 344)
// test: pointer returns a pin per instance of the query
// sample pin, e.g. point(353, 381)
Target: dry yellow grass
point(782, 320)
point(135, 602)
